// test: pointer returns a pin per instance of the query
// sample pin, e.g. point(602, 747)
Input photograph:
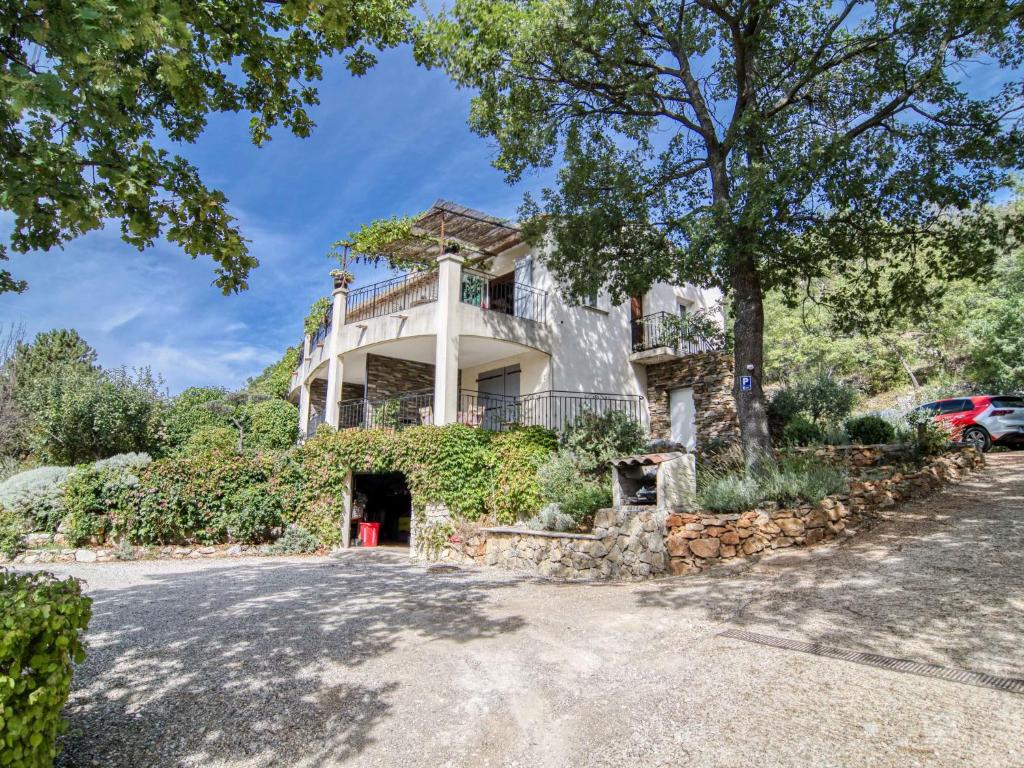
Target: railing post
point(335, 365)
point(446, 345)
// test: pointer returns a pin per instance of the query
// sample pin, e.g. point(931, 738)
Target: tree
point(84, 415)
point(748, 145)
point(14, 419)
point(89, 89)
point(49, 352)
point(189, 411)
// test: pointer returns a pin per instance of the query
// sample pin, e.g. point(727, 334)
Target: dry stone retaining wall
point(627, 543)
point(640, 542)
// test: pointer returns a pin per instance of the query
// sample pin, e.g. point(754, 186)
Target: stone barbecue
point(667, 481)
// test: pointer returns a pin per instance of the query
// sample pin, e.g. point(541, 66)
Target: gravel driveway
point(364, 659)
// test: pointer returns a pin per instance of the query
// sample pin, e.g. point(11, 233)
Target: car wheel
point(979, 437)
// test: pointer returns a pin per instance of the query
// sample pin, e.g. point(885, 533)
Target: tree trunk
point(748, 330)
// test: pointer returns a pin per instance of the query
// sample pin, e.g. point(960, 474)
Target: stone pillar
point(346, 517)
point(335, 364)
point(446, 347)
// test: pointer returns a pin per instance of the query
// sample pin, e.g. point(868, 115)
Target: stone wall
point(627, 543)
point(701, 539)
point(710, 374)
point(640, 542)
point(318, 396)
point(386, 376)
point(352, 391)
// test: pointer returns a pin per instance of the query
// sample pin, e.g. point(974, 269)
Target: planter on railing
point(389, 296)
point(507, 297)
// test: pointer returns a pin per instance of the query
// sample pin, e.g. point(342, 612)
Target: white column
point(335, 364)
point(446, 347)
point(304, 389)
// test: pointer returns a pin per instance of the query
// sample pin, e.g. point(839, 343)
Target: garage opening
point(385, 499)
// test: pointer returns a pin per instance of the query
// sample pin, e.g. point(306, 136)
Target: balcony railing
point(321, 333)
point(390, 296)
point(553, 409)
point(394, 412)
point(663, 329)
point(508, 297)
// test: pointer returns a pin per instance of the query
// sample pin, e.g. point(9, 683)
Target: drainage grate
point(950, 674)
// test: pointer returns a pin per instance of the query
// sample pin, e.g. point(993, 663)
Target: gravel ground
point(366, 660)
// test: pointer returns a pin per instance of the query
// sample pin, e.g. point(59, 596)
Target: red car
point(985, 420)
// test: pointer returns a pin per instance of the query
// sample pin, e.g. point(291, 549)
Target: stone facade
point(318, 396)
point(110, 554)
point(386, 376)
point(627, 543)
point(710, 374)
point(352, 391)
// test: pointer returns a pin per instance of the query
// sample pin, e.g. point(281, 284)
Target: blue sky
point(388, 143)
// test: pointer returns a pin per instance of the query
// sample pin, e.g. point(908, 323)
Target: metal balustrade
point(663, 329)
point(508, 297)
point(552, 409)
point(389, 296)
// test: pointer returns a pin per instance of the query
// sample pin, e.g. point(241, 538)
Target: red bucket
point(369, 533)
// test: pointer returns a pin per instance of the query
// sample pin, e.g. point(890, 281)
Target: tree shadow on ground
point(939, 580)
point(247, 663)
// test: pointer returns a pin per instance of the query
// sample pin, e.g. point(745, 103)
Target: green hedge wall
point(40, 638)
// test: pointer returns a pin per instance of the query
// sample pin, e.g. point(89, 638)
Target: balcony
point(662, 336)
point(553, 409)
point(390, 296)
point(503, 294)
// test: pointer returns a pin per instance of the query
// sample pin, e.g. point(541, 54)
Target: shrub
point(595, 439)
point(794, 479)
point(183, 498)
point(124, 461)
point(870, 430)
point(9, 466)
point(13, 528)
point(552, 518)
point(79, 527)
point(251, 514)
point(36, 495)
point(273, 425)
point(40, 639)
point(733, 492)
point(928, 436)
point(296, 540)
point(801, 431)
point(210, 439)
point(515, 456)
point(189, 411)
point(787, 481)
point(562, 482)
point(821, 398)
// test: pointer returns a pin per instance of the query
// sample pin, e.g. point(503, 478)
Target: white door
point(522, 295)
point(684, 417)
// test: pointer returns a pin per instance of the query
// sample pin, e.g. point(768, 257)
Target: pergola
point(445, 222)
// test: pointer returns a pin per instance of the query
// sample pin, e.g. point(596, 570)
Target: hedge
point(40, 638)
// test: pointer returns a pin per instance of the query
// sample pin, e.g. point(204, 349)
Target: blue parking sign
point(746, 383)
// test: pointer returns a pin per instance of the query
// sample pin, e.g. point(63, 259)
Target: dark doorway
point(636, 316)
point(383, 498)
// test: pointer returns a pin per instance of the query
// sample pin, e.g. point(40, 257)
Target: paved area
point(366, 660)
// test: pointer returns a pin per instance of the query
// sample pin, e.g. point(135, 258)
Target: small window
point(590, 300)
point(1008, 402)
point(684, 309)
point(928, 408)
point(955, 406)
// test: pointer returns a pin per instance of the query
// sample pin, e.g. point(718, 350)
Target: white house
point(487, 339)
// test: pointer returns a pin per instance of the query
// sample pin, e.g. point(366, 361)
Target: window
point(1008, 402)
point(683, 310)
point(955, 406)
point(589, 300)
